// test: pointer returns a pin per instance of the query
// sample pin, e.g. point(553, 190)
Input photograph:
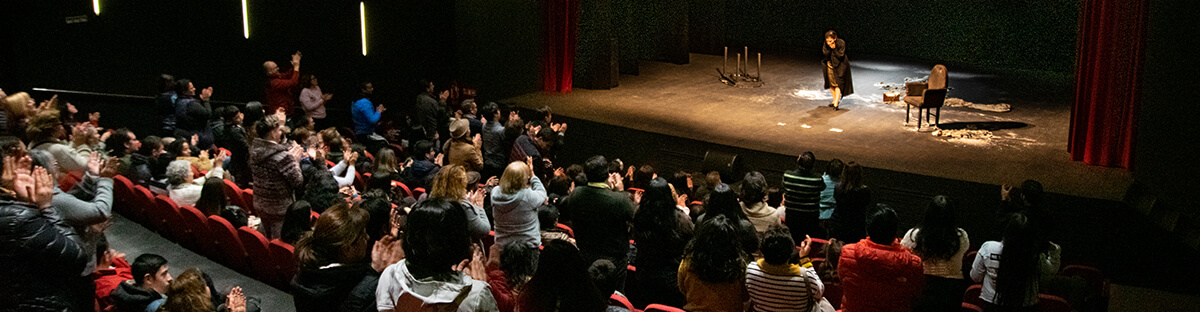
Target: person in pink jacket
point(878, 273)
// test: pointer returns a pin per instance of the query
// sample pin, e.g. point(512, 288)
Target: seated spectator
point(451, 184)
point(1011, 269)
point(712, 275)
point(561, 280)
point(603, 274)
point(508, 271)
point(600, 216)
point(85, 140)
point(462, 149)
point(436, 240)
point(515, 206)
point(641, 178)
point(426, 163)
point(40, 257)
point(277, 174)
point(879, 274)
point(803, 189)
point(941, 246)
point(154, 155)
point(320, 188)
point(212, 202)
point(828, 269)
point(297, 222)
point(853, 198)
point(723, 202)
point(233, 137)
point(86, 205)
point(343, 172)
point(332, 259)
point(18, 108)
point(661, 233)
point(778, 282)
point(111, 270)
point(43, 131)
point(182, 150)
point(185, 190)
point(192, 292)
point(774, 197)
point(548, 225)
point(387, 169)
point(149, 283)
point(754, 205)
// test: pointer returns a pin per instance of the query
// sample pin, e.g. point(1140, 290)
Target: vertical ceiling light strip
point(362, 19)
point(96, 6)
point(245, 21)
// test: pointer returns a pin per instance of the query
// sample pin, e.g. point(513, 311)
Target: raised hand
point(512, 115)
point(10, 174)
point(71, 108)
point(476, 197)
point(386, 252)
point(93, 163)
point(48, 104)
point(439, 159)
point(296, 58)
point(493, 181)
point(43, 187)
point(682, 200)
point(350, 156)
point(236, 300)
point(94, 117)
point(477, 140)
point(195, 139)
point(206, 93)
point(281, 114)
point(805, 246)
point(111, 167)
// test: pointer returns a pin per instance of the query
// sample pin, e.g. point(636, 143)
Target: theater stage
point(788, 115)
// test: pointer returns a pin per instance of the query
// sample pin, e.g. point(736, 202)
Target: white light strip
point(362, 19)
point(245, 21)
point(96, 6)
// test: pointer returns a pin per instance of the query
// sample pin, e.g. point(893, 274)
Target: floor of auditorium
point(788, 115)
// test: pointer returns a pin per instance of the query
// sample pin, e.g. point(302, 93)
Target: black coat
point(39, 259)
point(841, 66)
point(601, 219)
point(328, 289)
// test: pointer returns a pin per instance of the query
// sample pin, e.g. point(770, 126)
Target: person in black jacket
point(40, 260)
point(149, 284)
point(333, 263)
point(600, 216)
point(836, 68)
point(193, 112)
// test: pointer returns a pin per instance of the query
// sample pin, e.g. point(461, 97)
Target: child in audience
point(776, 282)
point(548, 225)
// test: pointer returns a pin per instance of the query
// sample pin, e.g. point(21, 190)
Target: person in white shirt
point(313, 100)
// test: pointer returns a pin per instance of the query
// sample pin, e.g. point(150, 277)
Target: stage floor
point(788, 115)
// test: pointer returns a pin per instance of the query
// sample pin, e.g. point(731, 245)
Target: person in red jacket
point(111, 270)
point(281, 87)
point(879, 274)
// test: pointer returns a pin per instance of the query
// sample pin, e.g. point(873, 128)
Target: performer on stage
point(836, 68)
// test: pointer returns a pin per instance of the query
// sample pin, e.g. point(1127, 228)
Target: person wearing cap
point(463, 149)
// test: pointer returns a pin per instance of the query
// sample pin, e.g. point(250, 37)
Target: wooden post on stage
point(739, 65)
point(758, 71)
point(726, 64)
point(746, 52)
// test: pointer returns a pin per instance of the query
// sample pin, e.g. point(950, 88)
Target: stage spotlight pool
point(813, 95)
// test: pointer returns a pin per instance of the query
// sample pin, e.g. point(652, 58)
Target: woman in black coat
point(836, 68)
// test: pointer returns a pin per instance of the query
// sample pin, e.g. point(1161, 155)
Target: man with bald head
point(281, 86)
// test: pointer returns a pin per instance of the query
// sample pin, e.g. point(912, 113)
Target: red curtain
point(1108, 78)
point(561, 18)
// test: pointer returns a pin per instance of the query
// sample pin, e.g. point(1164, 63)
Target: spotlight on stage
point(813, 95)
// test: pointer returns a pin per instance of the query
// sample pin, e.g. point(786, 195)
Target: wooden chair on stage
point(927, 96)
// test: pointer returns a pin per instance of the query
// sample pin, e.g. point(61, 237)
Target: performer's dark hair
point(831, 34)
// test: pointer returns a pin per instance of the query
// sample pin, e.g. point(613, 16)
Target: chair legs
point(937, 118)
point(907, 113)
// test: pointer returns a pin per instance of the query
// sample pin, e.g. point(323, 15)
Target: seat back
point(621, 300)
point(664, 308)
point(833, 293)
point(248, 199)
point(234, 194)
point(195, 227)
point(972, 295)
point(967, 307)
point(1097, 284)
point(938, 77)
point(140, 206)
point(402, 187)
point(968, 261)
point(258, 248)
point(163, 213)
point(1051, 303)
point(283, 256)
point(122, 192)
point(230, 250)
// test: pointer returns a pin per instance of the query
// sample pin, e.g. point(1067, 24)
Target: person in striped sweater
point(802, 195)
point(783, 280)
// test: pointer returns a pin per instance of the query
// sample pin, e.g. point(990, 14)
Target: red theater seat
point(284, 259)
point(123, 192)
point(140, 205)
point(248, 199)
point(1051, 303)
point(195, 228)
point(664, 308)
point(164, 212)
point(234, 194)
point(972, 295)
point(833, 293)
point(624, 302)
point(259, 250)
point(967, 307)
point(407, 192)
point(230, 251)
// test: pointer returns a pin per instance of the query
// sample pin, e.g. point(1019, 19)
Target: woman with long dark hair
point(1011, 269)
point(332, 259)
point(853, 197)
point(212, 202)
point(712, 275)
point(724, 202)
point(661, 232)
point(941, 245)
point(560, 283)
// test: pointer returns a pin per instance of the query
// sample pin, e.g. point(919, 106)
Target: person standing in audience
point(428, 113)
point(462, 149)
point(600, 216)
point(276, 169)
point(802, 196)
point(366, 115)
point(784, 279)
point(470, 112)
point(164, 104)
point(425, 165)
point(661, 233)
point(723, 202)
point(941, 246)
point(515, 206)
point(435, 242)
point(509, 270)
point(853, 197)
point(494, 154)
point(192, 113)
point(18, 109)
point(754, 205)
point(561, 281)
point(832, 178)
point(878, 273)
point(235, 139)
point(314, 100)
point(149, 283)
point(712, 275)
point(281, 86)
point(1012, 268)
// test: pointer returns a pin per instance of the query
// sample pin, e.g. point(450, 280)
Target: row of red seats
point(243, 249)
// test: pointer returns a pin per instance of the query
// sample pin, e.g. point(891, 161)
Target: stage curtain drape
point(1108, 78)
point(561, 18)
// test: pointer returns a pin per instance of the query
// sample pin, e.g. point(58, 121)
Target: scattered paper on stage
point(805, 126)
point(813, 95)
point(835, 129)
point(781, 124)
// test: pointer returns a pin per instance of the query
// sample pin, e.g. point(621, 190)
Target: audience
point(832, 178)
point(280, 92)
point(87, 206)
point(192, 291)
point(941, 246)
point(600, 217)
point(548, 225)
point(462, 149)
point(495, 155)
point(296, 222)
point(783, 280)
point(277, 174)
point(426, 163)
point(515, 206)
point(603, 274)
point(192, 114)
point(853, 197)
point(149, 283)
point(754, 205)
point(561, 281)
point(365, 115)
point(387, 169)
point(723, 202)
point(508, 272)
point(802, 196)
point(18, 108)
point(1011, 268)
point(428, 113)
point(451, 184)
point(662, 232)
point(111, 270)
point(332, 259)
point(212, 202)
point(185, 190)
point(712, 275)
point(44, 130)
point(879, 274)
point(313, 100)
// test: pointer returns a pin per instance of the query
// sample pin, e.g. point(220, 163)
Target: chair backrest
point(360, 183)
point(140, 205)
point(833, 293)
point(938, 77)
point(233, 193)
point(972, 295)
point(407, 192)
point(283, 256)
point(967, 307)
point(1052, 303)
point(164, 211)
point(664, 308)
point(968, 261)
point(195, 227)
point(122, 193)
point(230, 246)
point(624, 302)
point(257, 247)
point(570, 232)
point(1097, 282)
point(248, 199)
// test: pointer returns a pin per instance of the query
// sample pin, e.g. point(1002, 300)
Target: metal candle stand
point(740, 77)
